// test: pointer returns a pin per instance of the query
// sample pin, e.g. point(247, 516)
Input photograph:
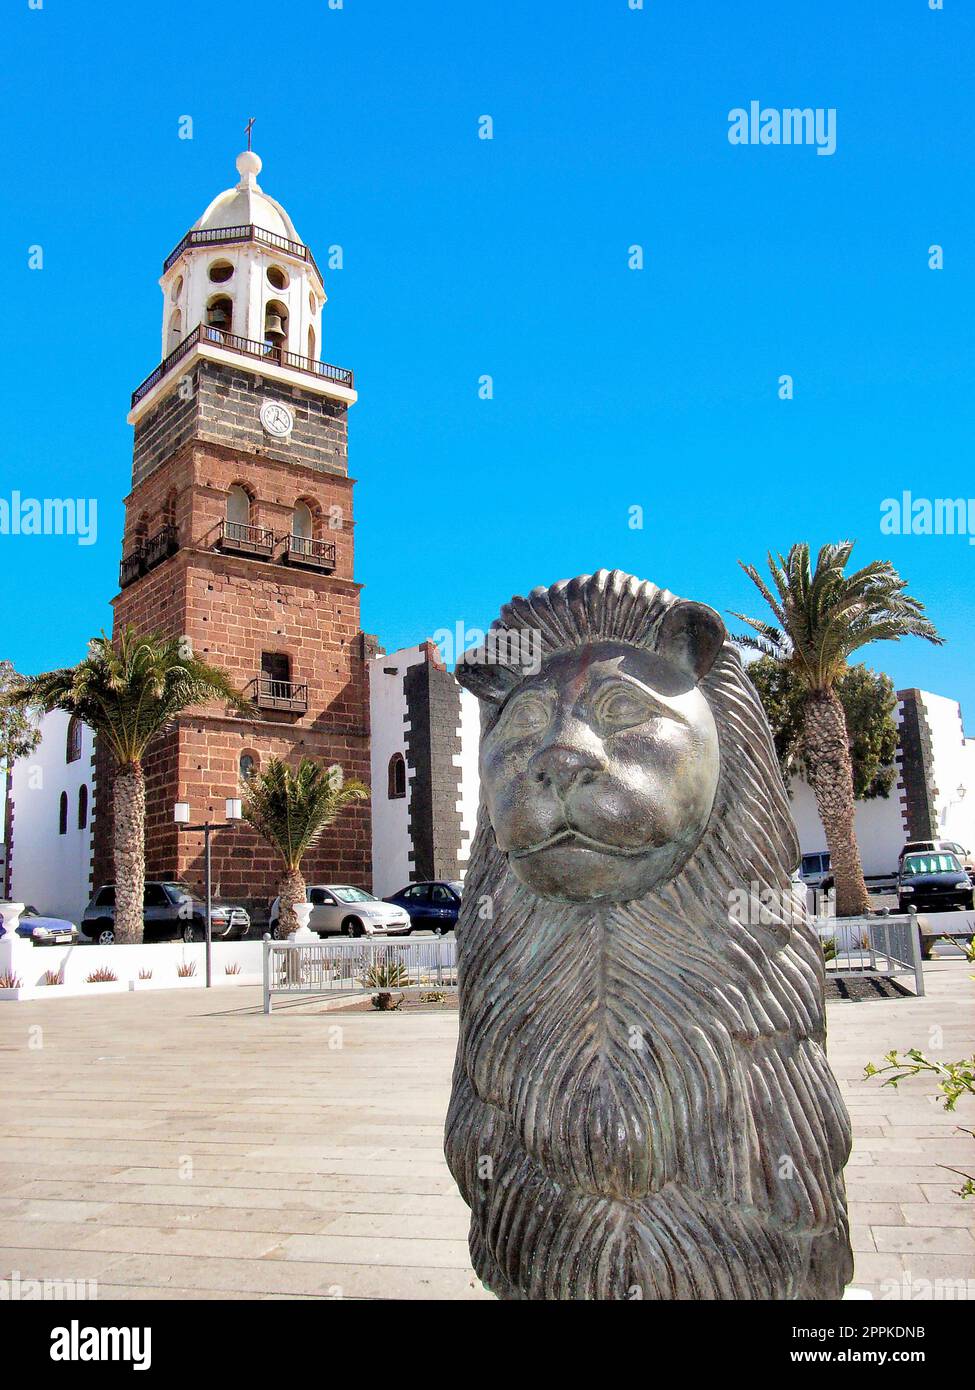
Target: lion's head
point(599, 771)
point(642, 1062)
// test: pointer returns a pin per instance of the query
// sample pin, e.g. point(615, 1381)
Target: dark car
point(933, 881)
point(170, 912)
point(432, 906)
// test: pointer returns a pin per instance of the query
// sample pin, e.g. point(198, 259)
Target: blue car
point(46, 931)
point(431, 906)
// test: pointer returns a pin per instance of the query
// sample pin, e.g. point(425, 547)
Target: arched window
point(220, 313)
point(301, 521)
point(82, 807)
point(175, 329)
point(275, 323)
point(73, 749)
point(238, 512)
point(397, 776)
point(63, 814)
point(248, 766)
point(311, 343)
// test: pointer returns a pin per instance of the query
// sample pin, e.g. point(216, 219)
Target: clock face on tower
point(277, 419)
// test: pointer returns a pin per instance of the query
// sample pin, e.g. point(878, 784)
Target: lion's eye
point(527, 714)
point(622, 706)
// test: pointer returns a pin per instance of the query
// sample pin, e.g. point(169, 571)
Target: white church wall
point(467, 762)
point(879, 829)
point(49, 870)
point(954, 769)
point(391, 843)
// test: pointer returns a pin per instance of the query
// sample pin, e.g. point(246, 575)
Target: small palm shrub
point(829, 948)
point(145, 974)
point(186, 969)
point(11, 982)
point(386, 973)
point(102, 976)
point(232, 969)
point(384, 1001)
point(54, 977)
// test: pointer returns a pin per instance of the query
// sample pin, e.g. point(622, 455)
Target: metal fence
point(362, 966)
point(876, 948)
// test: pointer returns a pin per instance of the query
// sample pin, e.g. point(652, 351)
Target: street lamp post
point(181, 816)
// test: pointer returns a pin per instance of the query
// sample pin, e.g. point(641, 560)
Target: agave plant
point(130, 690)
point(291, 808)
point(822, 616)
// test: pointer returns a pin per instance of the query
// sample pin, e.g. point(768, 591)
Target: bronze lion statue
point(641, 1104)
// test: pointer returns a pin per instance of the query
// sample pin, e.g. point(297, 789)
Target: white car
point(340, 908)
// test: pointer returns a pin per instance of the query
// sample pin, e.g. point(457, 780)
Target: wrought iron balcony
point(133, 565)
point(160, 546)
point(245, 347)
point(281, 695)
point(228, 236)
point(238, 538)
point(317, 555)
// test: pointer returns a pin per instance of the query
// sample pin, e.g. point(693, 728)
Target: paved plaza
point(181, 1145)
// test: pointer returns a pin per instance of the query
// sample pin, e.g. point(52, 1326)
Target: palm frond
point(291, 808)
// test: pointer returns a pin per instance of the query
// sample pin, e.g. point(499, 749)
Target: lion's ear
point(691, 635)
point(486, 679)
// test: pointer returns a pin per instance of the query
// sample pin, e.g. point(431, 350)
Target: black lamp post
point(181, 815)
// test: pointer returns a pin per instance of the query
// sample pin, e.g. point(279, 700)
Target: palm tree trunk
point(292, 890)
point(130, 851)
point(827, 752)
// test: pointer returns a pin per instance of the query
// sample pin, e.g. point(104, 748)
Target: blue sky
point(612, 388)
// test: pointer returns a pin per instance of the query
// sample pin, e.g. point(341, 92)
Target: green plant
point(822, 616)
point(232, 969)
point(386, 973)
point(955, 1079)
point(186, 969)
point(102, 976)
point(828, 944)
point(291, 808)
point(54, 977)
point(129, 691)
point(11, 982)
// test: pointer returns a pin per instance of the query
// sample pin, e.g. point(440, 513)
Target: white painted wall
point(954, 769)
point(878, 827)
point(48, 870)
point(467, 761)
point(391, 843)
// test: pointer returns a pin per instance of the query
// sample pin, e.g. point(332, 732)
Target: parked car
point(432, 905)
point(965, 859)
point(170, 912)
point(816, 872)
point(339, 907)
point(934, 881)
point(46, 931)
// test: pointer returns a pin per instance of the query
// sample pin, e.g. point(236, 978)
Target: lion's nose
point(559, 766)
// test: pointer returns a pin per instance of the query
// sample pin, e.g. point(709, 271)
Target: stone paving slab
point(175, 1145)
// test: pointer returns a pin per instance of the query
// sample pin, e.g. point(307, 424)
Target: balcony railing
point(228, 236)
point(148, 553)
point(281, 695)
point(246, 347)
point(310, 554)
point(132, 567)
point(160, 546)
point(241, 539)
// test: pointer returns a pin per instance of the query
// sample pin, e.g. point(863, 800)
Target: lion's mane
point(641, 1104)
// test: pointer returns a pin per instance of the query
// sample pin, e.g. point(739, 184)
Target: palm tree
point(291, 808)
point(129, 691)
point(823, 616)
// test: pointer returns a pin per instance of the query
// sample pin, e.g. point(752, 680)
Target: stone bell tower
point(239, 536)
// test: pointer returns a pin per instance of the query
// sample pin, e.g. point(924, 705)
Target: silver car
point(341, 908)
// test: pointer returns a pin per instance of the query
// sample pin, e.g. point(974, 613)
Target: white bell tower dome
point(243, 271)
